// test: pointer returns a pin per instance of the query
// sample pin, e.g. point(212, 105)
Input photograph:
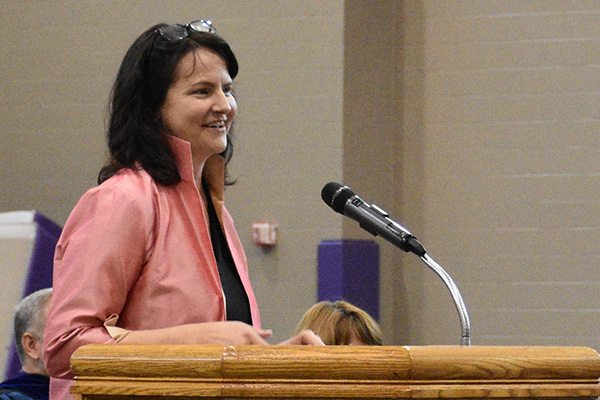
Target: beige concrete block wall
point(507, 194)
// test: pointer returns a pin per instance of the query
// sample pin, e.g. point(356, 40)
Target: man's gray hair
point(28, 318)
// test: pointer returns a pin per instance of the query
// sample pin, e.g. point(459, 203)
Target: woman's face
point(200, 106)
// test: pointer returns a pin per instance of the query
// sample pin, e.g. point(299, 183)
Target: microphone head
point(335, 195)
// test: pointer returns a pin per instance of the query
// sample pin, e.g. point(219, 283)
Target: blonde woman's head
point(341, 323)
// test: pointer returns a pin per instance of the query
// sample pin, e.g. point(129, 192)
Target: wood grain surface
point(311, 372)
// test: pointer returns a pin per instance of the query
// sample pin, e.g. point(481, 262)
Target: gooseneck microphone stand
point(410, 244)
point(404, 240)
point(465, 324)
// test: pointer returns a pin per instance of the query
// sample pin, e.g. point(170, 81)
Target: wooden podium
point(335, 372)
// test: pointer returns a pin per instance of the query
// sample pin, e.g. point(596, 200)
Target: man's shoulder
point(12, 394)
point(25, 386)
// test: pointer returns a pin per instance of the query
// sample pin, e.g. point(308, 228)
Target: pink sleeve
point(98, 259)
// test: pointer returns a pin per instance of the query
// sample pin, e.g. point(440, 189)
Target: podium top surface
point(338, 371)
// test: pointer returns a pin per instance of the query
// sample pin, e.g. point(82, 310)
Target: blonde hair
point(337, 322)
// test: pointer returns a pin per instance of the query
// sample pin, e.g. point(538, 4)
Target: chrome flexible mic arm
point(465, 324)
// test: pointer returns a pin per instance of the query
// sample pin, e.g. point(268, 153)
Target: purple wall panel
point(349, 270)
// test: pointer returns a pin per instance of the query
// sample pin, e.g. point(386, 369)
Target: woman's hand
point(306, 337)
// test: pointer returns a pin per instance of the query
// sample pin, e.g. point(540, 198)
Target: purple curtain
point(39, 274)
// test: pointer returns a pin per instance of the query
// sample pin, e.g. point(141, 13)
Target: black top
point(236, 299)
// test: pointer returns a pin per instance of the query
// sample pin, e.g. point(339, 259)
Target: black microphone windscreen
point(335, 195)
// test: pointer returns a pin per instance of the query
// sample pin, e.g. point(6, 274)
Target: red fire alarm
point(264, 233)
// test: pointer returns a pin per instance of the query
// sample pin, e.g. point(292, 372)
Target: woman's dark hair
point(135, 134)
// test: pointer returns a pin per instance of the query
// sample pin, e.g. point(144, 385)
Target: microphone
point(377, 222)
point(370, 217)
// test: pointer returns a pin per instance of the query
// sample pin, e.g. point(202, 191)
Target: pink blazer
point(139, 252)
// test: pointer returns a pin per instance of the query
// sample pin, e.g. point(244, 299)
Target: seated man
point(341, 323)
point(29, 322)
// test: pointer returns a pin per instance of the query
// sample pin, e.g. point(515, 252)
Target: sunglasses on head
point(179, 32)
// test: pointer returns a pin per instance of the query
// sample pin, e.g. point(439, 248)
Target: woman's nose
point(222, 103)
